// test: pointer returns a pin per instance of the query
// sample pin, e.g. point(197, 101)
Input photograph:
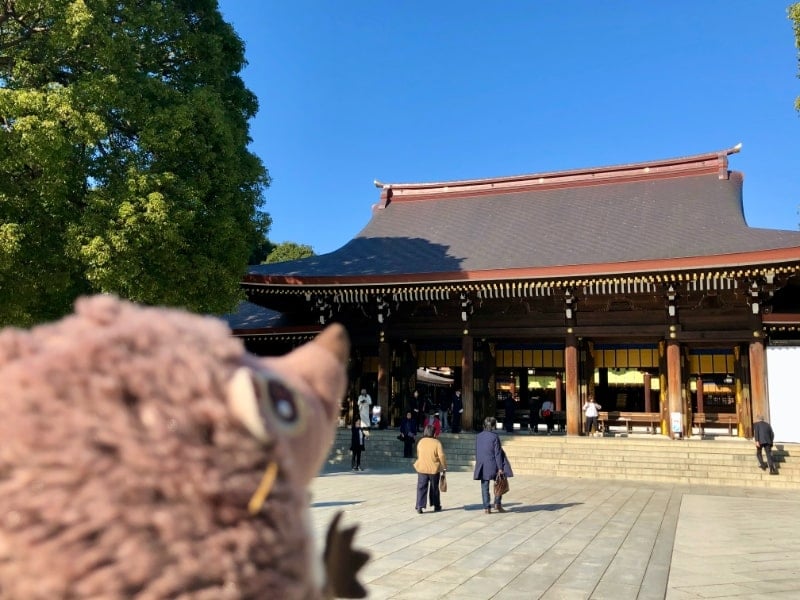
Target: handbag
point(443, 482)
point(500, 485)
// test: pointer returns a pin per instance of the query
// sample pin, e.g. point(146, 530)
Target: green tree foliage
point(289, 251)
point(124, 165)
point(263, 246)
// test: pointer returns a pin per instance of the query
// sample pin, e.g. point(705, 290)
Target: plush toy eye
point(283, 402)
point(278, 404)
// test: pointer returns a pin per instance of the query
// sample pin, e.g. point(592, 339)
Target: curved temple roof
point(675, 214)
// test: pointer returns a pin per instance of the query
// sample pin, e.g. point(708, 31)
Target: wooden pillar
point(559, 393)
point(467, 387)
point(743, 413)
point(674, 396)
point(663, 404)
point(700, 399)
point(648, 402)
point(744, 409)
point(586, 371)
point(758, 381)
point(384, 369)
point(571, 374)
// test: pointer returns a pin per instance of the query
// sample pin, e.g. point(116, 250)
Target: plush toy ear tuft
point(334, 338)
point(243, 402)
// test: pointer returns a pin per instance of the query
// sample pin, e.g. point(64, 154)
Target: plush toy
point(145, 454)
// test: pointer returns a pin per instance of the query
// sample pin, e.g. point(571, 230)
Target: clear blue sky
point(408, 91)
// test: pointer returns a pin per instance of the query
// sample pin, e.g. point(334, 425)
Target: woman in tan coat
point(430, 463)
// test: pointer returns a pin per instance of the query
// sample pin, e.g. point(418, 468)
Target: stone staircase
point(713, 460)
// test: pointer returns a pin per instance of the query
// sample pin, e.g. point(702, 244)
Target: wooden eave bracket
point(774, 269)
point(292, 285)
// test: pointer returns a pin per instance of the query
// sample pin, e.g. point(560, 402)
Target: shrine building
point(639, 283)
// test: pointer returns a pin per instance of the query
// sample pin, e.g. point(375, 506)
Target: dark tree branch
point(29, 24)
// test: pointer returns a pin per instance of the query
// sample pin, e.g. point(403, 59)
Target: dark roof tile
point(656, 219)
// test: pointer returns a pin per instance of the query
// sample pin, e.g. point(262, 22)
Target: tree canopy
point(289, 251)
point(124, 161)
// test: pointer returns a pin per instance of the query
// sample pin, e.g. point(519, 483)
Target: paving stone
point(568, 538)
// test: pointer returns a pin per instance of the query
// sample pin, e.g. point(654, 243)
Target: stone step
point(716, 461)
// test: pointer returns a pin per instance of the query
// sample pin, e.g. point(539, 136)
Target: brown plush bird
point(145, 454)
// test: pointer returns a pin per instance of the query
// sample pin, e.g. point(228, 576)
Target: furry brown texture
point(123, 473)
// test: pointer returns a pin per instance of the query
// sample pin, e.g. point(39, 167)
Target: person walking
point(535, 413)
point(546, 412)
point(490, 461)
point(358, 444)
point(509, 404)
point(433, 421)
point(364, 405)
point(419, 404)
point(763, 436)
point(458, 410)
point(445, 408)
point(592, 410)
point(430, 464)
point(408, 429)
point(425, 406)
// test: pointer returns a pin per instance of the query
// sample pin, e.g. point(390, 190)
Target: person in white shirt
point(592, 410)
point(364, 404)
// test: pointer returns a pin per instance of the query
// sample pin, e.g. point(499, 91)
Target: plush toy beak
point(244, 403)
point(263, 490)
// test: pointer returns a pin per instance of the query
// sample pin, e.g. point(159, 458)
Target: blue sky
point(408, 91)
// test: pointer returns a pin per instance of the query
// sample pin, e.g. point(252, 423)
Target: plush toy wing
point(342, 562)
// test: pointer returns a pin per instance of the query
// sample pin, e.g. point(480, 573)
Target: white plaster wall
point(783, 383)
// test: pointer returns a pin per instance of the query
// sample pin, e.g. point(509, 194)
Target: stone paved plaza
point(567, 538)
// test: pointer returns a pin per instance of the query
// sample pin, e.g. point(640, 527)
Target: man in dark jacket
point(490, 461)
point(510, 408)
point(458, 409)
point(421, 406)
point(445, 408)
point(408, 433)
point(763, 436)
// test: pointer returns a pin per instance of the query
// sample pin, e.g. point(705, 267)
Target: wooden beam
point(728, 337)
